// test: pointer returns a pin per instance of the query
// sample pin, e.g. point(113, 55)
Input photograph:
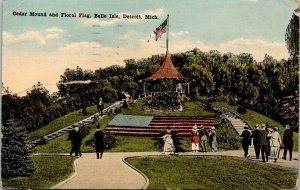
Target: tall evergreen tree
point(15, 155)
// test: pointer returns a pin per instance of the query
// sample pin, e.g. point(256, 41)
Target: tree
point(290, 107)
point(80, 94)
point(292, 35)
point(15, 154)
point(39, 93)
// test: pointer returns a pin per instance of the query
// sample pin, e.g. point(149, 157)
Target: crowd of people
point(202, 138)
point(267, 142)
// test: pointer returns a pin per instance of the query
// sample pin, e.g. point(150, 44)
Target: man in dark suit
point(99, 142)
point(246, 140)
point(70, 138)
point(255, 136)
point(288, 141)
point(264, 143)
point(76, 140)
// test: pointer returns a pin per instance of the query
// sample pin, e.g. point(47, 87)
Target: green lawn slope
point(62, 122)
point(212, 173)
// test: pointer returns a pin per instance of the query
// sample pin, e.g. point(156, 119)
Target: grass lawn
point(49, 170)
point(61, 145)
point(254, 118)
point(172, 172)
point(62, 122)
point(189, 109)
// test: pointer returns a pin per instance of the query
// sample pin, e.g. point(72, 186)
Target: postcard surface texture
point(130, 94)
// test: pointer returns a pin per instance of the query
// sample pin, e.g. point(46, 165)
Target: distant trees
point(239, 79)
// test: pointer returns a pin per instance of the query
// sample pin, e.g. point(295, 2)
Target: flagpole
point(167, 41)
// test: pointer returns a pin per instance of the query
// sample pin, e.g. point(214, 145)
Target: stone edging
point(69, 178)
point(138, 171)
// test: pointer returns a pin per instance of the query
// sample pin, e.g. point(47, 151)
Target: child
point(195, 139)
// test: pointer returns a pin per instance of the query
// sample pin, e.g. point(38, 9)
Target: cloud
point(27, 36)
point(180, 33)
point(114, 21)
point(257, 47)
point(252, 1)
point(40, 37)
point(54, 33)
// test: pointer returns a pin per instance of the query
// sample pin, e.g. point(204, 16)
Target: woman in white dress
point(168, 143)
point(275, 142)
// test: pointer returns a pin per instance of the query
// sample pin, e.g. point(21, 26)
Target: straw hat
point(195, 128)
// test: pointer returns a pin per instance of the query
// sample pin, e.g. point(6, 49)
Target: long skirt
point(274, 151)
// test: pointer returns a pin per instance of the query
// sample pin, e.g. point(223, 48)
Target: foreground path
point(111, 172)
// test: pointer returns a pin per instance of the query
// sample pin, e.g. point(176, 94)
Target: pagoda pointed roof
point(167, 71)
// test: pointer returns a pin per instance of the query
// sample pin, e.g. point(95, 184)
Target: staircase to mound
point(181, 125)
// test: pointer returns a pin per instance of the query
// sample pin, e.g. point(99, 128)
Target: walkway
point(111, 172)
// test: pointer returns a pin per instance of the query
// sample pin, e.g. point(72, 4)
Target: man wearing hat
point(99, 142)
point(195, 139)
point(100, 106)
point(213, 139)
point(255, 136)
point(203, 138)
point(275, 142)
point(246, 140)
point(264, 143)
point(287, 141)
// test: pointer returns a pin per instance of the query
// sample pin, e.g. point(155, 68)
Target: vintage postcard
point(130, 94)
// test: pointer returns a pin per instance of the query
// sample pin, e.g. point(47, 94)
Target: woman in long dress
point(168, 142)
point(275, 142)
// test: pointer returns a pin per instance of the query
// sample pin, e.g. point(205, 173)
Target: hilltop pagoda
point(167, 71)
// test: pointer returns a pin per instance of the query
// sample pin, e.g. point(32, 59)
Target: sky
point(40, 48)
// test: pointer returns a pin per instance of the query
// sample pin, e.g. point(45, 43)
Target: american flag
point(161, 29)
